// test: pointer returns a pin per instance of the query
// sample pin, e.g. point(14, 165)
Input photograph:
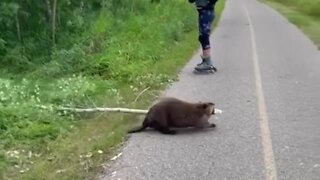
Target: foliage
point(304, 14)
point(92, 53)
point(309, 7)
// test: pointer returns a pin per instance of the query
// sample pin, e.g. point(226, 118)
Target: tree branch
point(124, 110)
point(141, 94)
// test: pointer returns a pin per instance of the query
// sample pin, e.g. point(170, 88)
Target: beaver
point(171, 112)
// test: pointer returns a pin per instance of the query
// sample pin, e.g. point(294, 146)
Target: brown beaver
point(174, 113)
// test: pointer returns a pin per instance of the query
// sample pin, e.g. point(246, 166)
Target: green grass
point(304, 14)
point(114, 61)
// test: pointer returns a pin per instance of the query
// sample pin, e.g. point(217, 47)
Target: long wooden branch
point(124, 110)
point(100, 109)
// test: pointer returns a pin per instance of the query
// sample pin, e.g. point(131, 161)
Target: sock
point(207, 60)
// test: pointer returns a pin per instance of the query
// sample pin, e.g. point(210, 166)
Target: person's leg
point(206, 18)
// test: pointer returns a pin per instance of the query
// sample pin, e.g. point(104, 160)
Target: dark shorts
point(206, 18)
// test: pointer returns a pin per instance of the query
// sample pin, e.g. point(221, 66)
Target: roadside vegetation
point(94, 53)
point(305, 14)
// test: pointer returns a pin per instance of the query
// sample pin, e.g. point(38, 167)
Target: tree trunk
point(132, 4)
point(58, 15)
point(49, 11)
point(54, 21)
point(18, 27)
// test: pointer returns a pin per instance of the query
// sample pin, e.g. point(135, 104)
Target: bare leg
point(206, 53)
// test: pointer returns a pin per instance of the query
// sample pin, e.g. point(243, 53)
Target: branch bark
point(124, 110)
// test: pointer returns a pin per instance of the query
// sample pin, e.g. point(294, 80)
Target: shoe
point(206, 64)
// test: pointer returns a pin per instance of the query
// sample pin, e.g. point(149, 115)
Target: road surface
point(268, 86)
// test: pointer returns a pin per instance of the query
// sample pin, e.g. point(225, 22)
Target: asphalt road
point(268, 87)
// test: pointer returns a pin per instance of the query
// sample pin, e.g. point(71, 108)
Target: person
point(206, 13)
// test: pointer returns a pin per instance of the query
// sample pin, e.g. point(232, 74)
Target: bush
point(311, 7)
point(104, 56)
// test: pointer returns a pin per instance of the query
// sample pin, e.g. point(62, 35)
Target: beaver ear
point(202, 106)
point(205, 106)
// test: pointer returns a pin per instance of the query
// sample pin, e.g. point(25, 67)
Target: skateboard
point(211, 70)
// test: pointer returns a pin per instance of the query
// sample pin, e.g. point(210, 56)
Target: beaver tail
point(140, 128)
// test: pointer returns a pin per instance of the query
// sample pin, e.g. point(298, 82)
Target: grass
point(45, 144)
point(305, 15)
